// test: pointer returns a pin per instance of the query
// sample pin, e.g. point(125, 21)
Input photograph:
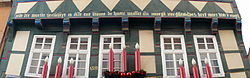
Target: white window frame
point(101, 50)
point(33, 50)
point(77, 53)
point(215, 50)
point(182, 51)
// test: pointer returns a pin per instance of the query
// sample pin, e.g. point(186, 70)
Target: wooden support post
point(95, 25)
point(11, 25)
point(214, 26)
point(125, 25)
point(238, 25)
point(66, 26)
point(38, 23)
point(187, 26)
point(157, 25)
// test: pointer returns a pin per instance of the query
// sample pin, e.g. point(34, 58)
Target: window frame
point(41, 51)
point(173, 52)
point(101, 50)
point(77, 53)
point(207, 51)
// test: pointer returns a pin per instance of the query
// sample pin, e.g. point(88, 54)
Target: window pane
point(40, 70)
point(117, 46)
point(42, 62)
point(34, 62)
point(80, 72)
point(73, 46)
point(169, 57)
point(177, 40)
point(204, 70)
point(117, 64)
point(81, 64)
point(200, 40)
point(167, 40)
point(210, 46)
point(177, 46)
point(105, 64)
point(203, 55)
point(74, 40)
point(177, 63)
point(39, 40)
point(82, 57)
point(105, 56)
point(107, 40)
point(104, 70)
point(168, 46)
point(201, 46)
point(203, 63)
point(169, 64)
point(117, 56)
point(38, 46)
point(178, 56)
point(212, 56)
point(44, 55)
point(117, 69)
point(47, 46)
point(73, 56)
point(170, 72)
point(84, 40)
point(209, 40)
point(106, 46)
point(178, 73)
point(216, 69)
point(48, 40)
point(83, 46)
point(117, 40)
point(36, 55)
point(32, 70)
point(214, 63)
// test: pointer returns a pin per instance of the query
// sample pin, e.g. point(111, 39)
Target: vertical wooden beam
point(38, 23)
point(238, 25)
point(10, 23)
point(157, 25)
point(95, 25)
point(187, 25)
point(125, 25)
point(214, 25)
point(66, 26)
point(12, 27)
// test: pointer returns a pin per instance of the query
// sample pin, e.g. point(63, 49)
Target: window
point(173, 49)
point(117, 41)
point(42, 47)
point(78, 48)
point(206, 47)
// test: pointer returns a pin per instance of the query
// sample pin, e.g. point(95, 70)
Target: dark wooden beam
point(214, 25)
point(125, 25)
point(238, 25)
point(12, 28)
point(187, 25)
point(157, 25)
point(38, 23)
point(66, 26)
point(95, 25)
